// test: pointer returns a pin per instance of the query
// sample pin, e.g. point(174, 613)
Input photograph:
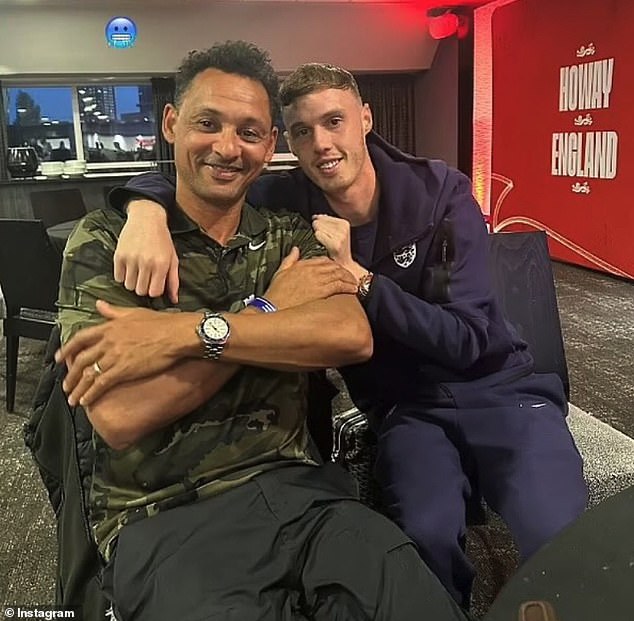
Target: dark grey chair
point(29, 276)
point(523, 279)
point(55, 206)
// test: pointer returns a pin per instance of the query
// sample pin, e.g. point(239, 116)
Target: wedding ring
point(96, 368)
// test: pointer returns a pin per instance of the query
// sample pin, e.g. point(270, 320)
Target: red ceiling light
point(443, 26)
point(444, 23)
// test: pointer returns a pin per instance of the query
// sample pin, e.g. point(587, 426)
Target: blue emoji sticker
point(121, 32)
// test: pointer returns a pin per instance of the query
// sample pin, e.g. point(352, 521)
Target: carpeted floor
point(597, 314)
point(27, 541)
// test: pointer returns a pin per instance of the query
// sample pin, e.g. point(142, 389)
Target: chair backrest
point(523, 278)
point(106, 191)
point(60, 440)
point(55, 206)
point(30, 267)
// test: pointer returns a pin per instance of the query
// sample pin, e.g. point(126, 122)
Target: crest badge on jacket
point(405, 256)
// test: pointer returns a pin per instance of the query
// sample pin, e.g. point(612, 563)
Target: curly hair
point(236, 57)
point(311, 77)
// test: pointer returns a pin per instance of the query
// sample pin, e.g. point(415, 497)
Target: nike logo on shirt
point(253, 246)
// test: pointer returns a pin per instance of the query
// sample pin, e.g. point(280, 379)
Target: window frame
point(74, 83)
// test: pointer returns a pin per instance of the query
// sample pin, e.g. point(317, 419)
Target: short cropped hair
point(312, 77)
point(235, 57)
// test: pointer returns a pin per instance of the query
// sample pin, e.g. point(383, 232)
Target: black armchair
point(55, 206)
point(29, 276)
point(523, 279)
point(106, 192)
point(60, 439)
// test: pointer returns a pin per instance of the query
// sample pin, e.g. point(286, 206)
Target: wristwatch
point(213, 331)
point(365, 282)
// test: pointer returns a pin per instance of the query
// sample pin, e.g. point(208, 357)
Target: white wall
point(44, 40)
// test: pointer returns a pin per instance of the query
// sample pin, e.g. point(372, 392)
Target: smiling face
point(222, 135)
point(326, 130)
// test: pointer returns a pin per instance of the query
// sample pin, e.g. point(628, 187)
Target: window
point(282, 158)
point(117, 123)
point(109, 125)
point(281, 146)
point(42, 117)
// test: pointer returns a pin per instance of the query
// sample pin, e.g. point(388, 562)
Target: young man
point(450, 386)
point(207, 500)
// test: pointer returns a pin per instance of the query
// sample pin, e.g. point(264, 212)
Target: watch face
point(215, 328)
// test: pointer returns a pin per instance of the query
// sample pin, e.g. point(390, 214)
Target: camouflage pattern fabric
point(255, 423)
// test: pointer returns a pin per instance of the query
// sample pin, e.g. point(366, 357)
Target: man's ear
point(272, 143)
point(289, 142)
point(366, 117)
point(170, 116)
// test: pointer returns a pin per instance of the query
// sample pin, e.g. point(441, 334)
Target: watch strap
point(263, 304)
point(363, 288)
point(213, 351)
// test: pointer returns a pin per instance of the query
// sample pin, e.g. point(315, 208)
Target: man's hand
point(298, 281)
point(134, 344)
point(334, 234)
point(145, 260)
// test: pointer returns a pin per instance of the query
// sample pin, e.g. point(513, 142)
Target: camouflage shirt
point(254, 423)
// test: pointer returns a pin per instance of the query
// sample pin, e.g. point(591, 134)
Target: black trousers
point(292, 544)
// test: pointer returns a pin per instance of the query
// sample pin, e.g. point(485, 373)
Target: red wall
point(533, 177)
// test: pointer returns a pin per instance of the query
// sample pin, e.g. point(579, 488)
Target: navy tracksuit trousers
point(511, 436)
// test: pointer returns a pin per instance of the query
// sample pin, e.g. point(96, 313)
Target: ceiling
point(99, 3)
point(409, 52)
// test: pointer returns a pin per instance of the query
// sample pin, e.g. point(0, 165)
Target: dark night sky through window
point(55, 103)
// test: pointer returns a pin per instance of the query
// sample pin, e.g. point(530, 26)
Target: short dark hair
point(312, 77)
point(237, 57)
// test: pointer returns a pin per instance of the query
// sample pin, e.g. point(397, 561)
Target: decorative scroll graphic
point(586, 50)
point(584, 120)
point(499, 225)
point(581, 188)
